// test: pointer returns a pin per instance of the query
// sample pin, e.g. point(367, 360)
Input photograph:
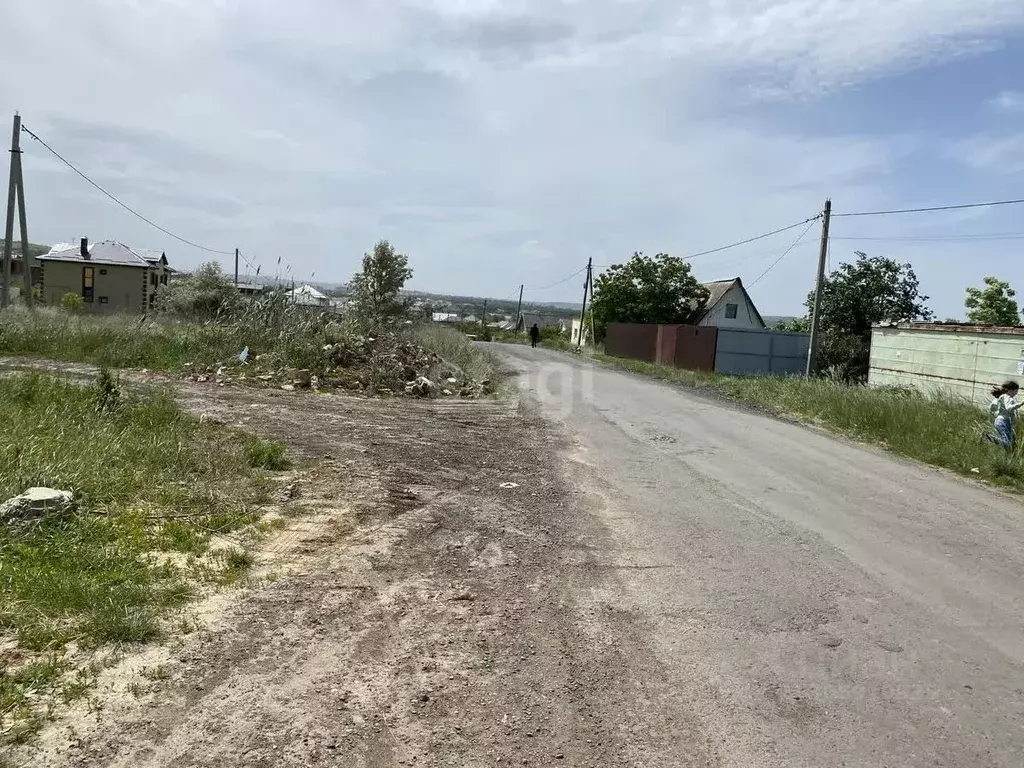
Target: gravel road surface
point(815, 602)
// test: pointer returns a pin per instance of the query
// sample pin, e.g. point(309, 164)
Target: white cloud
point(1002, 155)
point(464, 130)
point(1008, 101)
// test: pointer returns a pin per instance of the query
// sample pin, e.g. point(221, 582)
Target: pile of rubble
point(374, 366)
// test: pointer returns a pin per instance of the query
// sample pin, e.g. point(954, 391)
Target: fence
point(735, 351)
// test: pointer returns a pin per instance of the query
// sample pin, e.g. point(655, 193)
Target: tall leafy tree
point(871, 290)
point(376, 289)
point(658, 289)
point(992, 305)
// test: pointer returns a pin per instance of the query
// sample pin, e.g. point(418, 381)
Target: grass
point(152, 487)
point(277, 336)
point(942, 431)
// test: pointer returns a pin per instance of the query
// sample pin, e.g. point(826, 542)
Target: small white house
point(730, 306)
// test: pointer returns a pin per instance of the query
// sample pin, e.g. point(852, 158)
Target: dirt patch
point(418, 613)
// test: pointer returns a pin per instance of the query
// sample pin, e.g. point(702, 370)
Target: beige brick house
point(109, 276)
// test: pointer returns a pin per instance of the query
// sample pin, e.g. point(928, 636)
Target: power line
point(942, 238)
point(785, 253)
point(752, 239)
point(565, 280)
point(935, 208)
point(124, 205)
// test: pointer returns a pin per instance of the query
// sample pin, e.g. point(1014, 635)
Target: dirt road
point(663, 580)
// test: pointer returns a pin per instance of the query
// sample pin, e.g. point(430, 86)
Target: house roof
point(105, 252)
point(718, 289)
point(307, 293)
point(531, 318)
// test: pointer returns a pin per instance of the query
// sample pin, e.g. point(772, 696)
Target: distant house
point(444, 317)
point(109, 276)
point(729, 306)
point(250, 289)
point(528, 319)
point(308, 296)
point(471, 319)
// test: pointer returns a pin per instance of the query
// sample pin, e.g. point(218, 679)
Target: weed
point(147, 480)
point(265, 454)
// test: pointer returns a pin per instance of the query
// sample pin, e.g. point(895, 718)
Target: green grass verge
point(153, 488)
point(942, 431)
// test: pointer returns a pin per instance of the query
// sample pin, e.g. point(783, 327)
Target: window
point(104, 300)
point(103, 271)
point(731, 310)
point(88, 277)
point(152, 278)
point(163, 279)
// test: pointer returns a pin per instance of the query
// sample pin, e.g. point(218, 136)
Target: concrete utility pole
point(5, 289)
point(583, 312)
point(812, 351)
point(26, 263)
point(519, 310)
point(236, 268)
point(593, 333)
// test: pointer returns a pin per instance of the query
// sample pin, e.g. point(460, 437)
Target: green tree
point(206, 293)
point(648, 290)
point(855, 297)
point(796, 325)
point(376, 290)
point(872, 290)
point(992, 305)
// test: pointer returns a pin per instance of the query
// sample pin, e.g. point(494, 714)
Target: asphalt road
point(810, 602)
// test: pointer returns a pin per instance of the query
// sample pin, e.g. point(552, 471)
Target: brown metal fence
point(632, 340)
point(684, 346)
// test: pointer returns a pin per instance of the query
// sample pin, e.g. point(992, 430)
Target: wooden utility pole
point(583, 312)
point(519, 310)
point(236, 268)
point(812, 351)
point(593, 333)
point(5, 289)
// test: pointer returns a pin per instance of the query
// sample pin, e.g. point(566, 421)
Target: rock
point(446, 392)
point(35, 503)
point(314, 382)
point(422, 387)
point(303, 377)
point(452, 380)
point(288, 387)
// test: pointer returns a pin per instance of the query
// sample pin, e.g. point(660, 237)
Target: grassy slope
point(940, 431)
point(124, 341)
point(103, 575)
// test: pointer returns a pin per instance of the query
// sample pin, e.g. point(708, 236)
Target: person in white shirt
point(1004, 407)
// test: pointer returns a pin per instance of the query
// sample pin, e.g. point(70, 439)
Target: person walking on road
point(534, 335)
point(1004, 407)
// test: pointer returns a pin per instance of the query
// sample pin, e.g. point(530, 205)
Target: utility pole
point(519, 310)
point(593, 333)
point(583, 312)
point(812, 351)
point(483, 322)
point(26, 264)
point(5, 289)
point(236, 268)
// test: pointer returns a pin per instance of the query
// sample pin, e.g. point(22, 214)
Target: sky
point(505, 142)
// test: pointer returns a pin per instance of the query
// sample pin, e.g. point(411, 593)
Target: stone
point(446, 392)
point(422, 387)
point(288, 387)
point(35, 503)
point(452, 380)
point(303, 377)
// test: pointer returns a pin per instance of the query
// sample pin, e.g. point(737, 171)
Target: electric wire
point(127, 207)
point(960, 207)
point(785, 253)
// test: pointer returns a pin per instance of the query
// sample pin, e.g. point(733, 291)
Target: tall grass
point(940, 430)
point(147, 480)
point(279, 333)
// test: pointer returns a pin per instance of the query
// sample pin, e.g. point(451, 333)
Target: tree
point(376, 289)
point(206, 293)
point(855, 297)
point(648, 290)
point(796, 325)
point(992, 305)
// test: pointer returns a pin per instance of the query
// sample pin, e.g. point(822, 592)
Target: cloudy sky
point(501, 142)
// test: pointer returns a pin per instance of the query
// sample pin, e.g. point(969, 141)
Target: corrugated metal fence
point(736, 351)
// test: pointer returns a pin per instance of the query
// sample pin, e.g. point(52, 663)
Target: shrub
point(72, 302)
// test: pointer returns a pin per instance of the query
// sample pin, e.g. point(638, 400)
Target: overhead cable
point(128, 208)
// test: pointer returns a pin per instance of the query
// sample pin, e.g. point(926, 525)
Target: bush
point(204, 294)
point(72, 302)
